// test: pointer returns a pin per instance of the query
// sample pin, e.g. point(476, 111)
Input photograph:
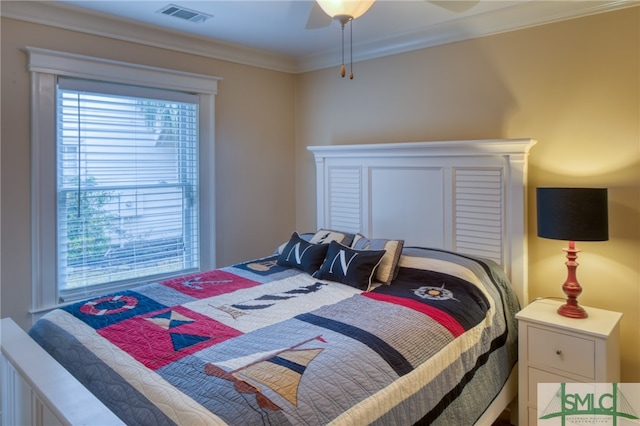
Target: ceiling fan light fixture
point(345, 8)
point(345, 11)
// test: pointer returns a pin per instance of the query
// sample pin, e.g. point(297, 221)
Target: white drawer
point(562, 351)
point(535, 376)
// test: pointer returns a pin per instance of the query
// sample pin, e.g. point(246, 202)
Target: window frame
point(45, 66)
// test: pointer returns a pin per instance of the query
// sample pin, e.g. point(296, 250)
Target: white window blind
point(127, 185)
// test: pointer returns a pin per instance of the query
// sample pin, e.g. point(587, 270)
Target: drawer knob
point(558, 352)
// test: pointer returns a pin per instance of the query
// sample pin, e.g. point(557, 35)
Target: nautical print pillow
point(348, 266)
point(303, 255)
point(325, 236)
point(388, 268)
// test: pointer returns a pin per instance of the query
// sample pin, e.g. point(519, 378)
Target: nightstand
point(557, 349)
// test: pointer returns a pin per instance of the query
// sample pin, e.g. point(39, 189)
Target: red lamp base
point(572, 310)
point(571, 286)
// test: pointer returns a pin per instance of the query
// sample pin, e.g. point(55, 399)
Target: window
point(122, 186)
point(127, 184)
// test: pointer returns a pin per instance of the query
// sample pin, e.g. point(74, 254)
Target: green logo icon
point(586, 407)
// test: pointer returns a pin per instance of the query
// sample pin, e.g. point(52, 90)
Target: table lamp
point(572, 214)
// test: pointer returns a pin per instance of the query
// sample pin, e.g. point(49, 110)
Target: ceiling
point(275, 34)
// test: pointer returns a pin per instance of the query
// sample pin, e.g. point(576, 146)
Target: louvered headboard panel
point(344, 203)
point(464, 196)
point(479, 213)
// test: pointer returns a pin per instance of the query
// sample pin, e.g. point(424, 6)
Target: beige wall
point(254, 150)
point(573, 86)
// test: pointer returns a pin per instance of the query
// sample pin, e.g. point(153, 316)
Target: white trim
point(207, 171)
point(427, 149)
point(57, 14)
point(72, 65)
point(524, 15)
point(45, 65)
point(43, 226)
point(36, 390)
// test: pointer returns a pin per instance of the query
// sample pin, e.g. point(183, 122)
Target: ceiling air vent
point(182, 13)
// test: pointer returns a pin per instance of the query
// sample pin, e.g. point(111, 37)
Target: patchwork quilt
point(257, 343)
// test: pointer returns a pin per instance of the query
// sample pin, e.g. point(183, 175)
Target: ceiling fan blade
point(457, 6)
point(317, 18)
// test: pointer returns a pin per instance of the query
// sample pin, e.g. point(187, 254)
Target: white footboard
point(36, 390)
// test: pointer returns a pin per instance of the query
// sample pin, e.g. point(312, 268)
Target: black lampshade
point(573, 214)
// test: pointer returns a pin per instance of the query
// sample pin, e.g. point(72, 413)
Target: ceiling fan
point(345, 11)
point(319, 17)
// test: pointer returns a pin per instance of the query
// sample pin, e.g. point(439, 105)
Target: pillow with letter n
point(301, 254)
point(388, 268)
point(305, 236)
point(348, 266)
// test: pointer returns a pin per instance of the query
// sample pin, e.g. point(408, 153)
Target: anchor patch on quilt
point(209, 284)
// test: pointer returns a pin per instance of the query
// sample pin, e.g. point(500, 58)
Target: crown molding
point(522, 15)
point(59, 15)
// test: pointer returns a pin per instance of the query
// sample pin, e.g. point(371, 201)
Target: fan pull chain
point(342, 69)
point(351, 50)
point(344, 20)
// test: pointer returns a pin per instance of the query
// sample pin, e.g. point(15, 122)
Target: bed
point(398, 309)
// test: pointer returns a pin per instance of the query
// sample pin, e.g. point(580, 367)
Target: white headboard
point(463, 196)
